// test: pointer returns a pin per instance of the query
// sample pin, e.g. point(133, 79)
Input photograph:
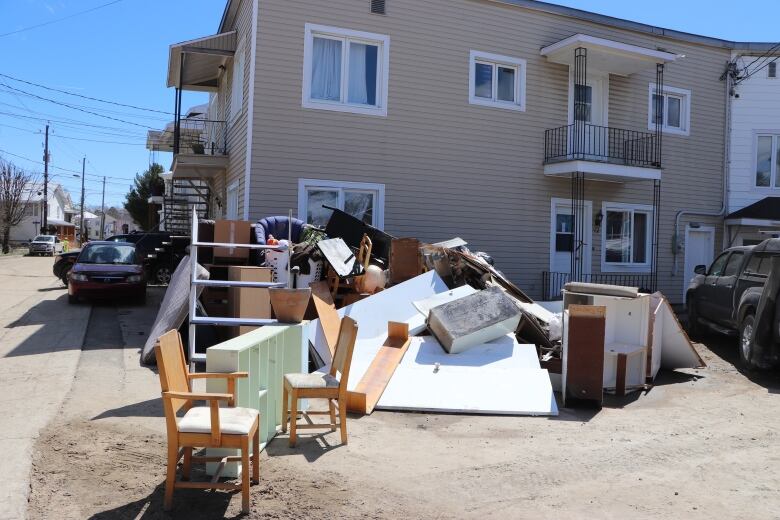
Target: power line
point(87, 97)
point(59, 19)
point(72, 107)
point(71, 137)
point(66, 121)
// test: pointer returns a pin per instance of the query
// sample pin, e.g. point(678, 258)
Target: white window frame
point(496, 60)
point(377, 189)
point(685, 109)
point(232, 187)
point(627, 267)
point(237, 82)
point(773, 168)
point(346, 35)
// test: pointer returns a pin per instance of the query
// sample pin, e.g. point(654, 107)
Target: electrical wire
point(23, 29)
point(72, 107)
point(86, 97)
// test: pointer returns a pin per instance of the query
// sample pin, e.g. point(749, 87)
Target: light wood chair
point(363, 258)
point(203, 426)
point(320, 385)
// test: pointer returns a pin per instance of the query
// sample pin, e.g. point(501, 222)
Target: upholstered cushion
point(236, 421)
point(314, 380)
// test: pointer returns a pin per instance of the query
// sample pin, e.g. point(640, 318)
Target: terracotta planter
point(289, 305)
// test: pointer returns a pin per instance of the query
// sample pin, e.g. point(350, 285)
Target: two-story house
point(59, 216)
point(754, 148)
point(568, 145)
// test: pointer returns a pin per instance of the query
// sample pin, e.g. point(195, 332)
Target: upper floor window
point(237, 85)
point(497, 81)
point(771, 70)
point(345, 70)
point(671, 108)
point(768, 161)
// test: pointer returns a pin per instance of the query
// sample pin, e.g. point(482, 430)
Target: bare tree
point(16, 189)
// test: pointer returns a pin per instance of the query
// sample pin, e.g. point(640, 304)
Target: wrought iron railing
point(583, 141)
point(552, 282)
point(200, 136)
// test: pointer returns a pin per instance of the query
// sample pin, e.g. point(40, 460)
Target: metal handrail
point(584, 141)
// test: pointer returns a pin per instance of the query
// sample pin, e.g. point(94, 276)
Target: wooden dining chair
point(209, 426)
point(321, 385)
point(363, 258)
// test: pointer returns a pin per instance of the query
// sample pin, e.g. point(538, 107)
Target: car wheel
point(746, 346)
point(162, 275)
point(694, 326)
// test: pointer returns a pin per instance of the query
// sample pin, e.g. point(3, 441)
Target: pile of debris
point(441, 329)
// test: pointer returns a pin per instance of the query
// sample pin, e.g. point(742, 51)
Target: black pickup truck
point(726, 296)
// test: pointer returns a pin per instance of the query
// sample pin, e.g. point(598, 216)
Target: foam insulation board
point(473, 320)
point(425, 306)
point(372, 315)
point(498, 377)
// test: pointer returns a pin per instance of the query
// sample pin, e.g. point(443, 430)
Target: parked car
point(160, 251)
point(725, 297)
point(107, 270)
point(63, 264)
point(47, 245)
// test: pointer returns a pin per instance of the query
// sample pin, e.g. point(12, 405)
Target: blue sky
point(120, 53)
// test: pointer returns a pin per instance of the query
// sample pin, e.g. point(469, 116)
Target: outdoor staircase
point(182, 197)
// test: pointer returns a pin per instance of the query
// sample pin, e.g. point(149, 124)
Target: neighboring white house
point(60, 212)
point(753, 212)
point(116, 222)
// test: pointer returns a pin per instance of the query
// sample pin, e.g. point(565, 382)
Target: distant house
point(59, 218)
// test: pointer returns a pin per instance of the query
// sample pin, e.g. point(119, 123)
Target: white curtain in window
point(326, 69)
point(358, 90)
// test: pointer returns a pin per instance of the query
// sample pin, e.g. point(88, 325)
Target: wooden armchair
point(363, 258)
point(203, 426)
point(320, 385)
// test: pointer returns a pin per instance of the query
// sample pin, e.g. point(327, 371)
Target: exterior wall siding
point(455, 169)
point(756, 110)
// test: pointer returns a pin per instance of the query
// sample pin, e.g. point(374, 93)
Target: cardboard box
point(248, 302)
point(231, 232)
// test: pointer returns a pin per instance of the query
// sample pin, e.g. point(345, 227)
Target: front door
point(563, 245)
point(699, 250)
point(589, 107)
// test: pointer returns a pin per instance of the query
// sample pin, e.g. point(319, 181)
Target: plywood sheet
point(499, 377)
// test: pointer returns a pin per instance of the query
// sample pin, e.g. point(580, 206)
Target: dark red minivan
point(107, 270)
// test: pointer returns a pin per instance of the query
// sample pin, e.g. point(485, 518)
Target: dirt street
point(700, 444)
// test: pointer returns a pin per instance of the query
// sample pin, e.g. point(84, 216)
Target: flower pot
point(289, 305)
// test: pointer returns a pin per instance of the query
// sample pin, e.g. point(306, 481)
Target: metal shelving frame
point(194, 319)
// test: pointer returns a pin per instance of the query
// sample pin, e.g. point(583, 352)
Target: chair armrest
point(217, 375)
point(194, 396)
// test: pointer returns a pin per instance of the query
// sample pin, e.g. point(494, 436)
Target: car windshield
point(108, 254)
point(43, 238)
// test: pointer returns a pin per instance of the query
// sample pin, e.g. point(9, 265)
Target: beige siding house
point(535, 132)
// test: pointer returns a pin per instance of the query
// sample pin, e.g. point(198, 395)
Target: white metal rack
point(194, 319)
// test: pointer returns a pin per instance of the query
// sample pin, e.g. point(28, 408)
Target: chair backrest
point(342, 359)
point(364, 252)
point(172, 367)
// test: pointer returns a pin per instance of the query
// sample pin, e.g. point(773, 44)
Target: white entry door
point(592, 110)
point(699, 250)
point(562, 244)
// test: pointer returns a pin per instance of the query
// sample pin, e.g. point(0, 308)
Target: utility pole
point(45, 220)
point(81, 219)
point(103, 212)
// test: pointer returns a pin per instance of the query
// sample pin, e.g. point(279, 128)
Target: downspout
point(726, 162)
point(250, 119)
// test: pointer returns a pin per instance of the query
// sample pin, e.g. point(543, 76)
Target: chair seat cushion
point(313, 380)
point(232, 421)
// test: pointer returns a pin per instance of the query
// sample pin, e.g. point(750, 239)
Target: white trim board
point(600, 171)
point(500, 377)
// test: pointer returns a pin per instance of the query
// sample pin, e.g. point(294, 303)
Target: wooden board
point(405, 259)
point(366, 394)
point(328, 315)
point(583, 354)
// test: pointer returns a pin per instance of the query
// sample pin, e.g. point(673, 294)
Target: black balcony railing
point(200, 136)
point(553, 282)
point(583, 141)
